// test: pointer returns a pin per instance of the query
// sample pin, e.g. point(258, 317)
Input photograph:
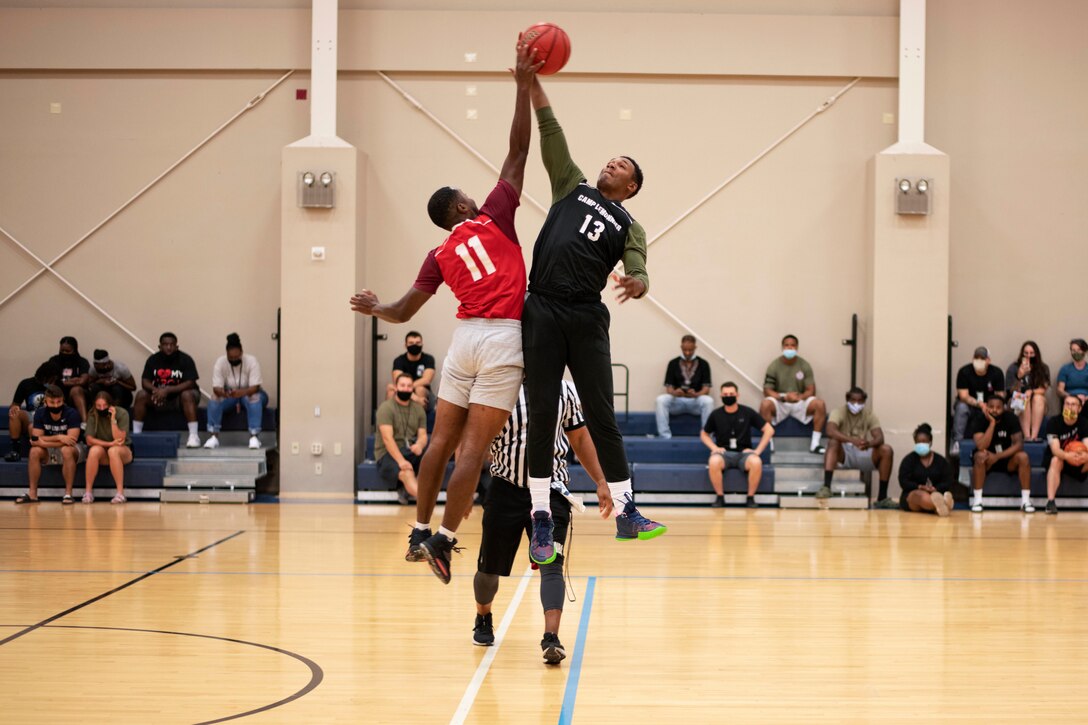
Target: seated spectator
point(236, 381)
point(1061, 456)
point(419, 365)
point(789, 388)
point(1026, 382)
point(169, 382)
point(74, 370)
point(402, 436)
point(687, 388)
point(29, 395)
point(113, 377)
point(1073, 376)
point(728, 435)
point(54, 440)
point(857, 443)
point(974, 383)
point(999, 446)
point(107, 440)
point(925, 477)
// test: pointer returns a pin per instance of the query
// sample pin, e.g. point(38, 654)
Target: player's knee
point(485, 586)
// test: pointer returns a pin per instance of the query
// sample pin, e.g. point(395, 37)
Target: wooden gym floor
point(306, 613)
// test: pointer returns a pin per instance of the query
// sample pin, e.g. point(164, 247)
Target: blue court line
point(567, 713)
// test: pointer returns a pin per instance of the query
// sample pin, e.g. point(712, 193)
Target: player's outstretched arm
point(636, 281)
point(562, 171)
point(366, 303)
point(513, 169)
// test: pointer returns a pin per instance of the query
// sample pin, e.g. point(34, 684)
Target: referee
point(565, 324)
point(506, 510)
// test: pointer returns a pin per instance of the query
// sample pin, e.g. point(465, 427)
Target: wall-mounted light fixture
point(912, 197)
point(317, 191)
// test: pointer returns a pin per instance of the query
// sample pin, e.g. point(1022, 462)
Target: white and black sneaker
point(1027, 507)
point(552, 649)
point(483, 634)
point(976, 507)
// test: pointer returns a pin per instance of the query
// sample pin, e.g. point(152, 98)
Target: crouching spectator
point(999, 446)
point(687, 388)
point(857, 443)
point(728, 435)
point(112, 376)
point(236, 381)
point(29, 396)
point(402, 436)
point(54, 440)
point(789, 390)
point(1065, 452)
point(108, 442)
point(925, 477)
point(168, 383)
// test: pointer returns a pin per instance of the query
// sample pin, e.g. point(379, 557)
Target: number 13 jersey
point(481, 261)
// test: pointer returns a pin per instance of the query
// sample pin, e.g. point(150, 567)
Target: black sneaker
point(436, 550)
point(719, 502)
point(552, 649)
point(1052, 507)
point(483, 634)
point(12, 457)
point(417, 537)
point(751, 503)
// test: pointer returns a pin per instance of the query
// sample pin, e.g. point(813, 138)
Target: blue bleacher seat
point(643, 424)
point(145, 473)
point(673, 450)
point(692, 478)
point(999, 483)
point(175, 420)
point(144, 445)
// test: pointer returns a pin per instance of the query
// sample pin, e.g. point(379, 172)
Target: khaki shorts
point(484, 364)
point(798, 410)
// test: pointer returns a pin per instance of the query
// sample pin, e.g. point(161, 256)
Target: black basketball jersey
point(581, 242)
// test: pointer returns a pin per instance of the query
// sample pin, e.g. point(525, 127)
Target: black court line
point(126, 585)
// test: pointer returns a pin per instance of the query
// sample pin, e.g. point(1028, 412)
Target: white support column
point(912, 71)
point(323, 70)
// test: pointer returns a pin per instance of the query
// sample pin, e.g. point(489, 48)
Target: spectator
point(974, 383)
point(29, 395)
point(402, 436)
point(236, 381)
point(1026, 382)
point(169, 382)
point(687, 388)
point(925, 477)
point(1073, 376)
point(54, 441)
point(1061, 457)
point(113, 377)
point(999, 446)
point(74, 372)
point(728, 435)
point(857, 443)
point(789, 390)
point(109, 441)
point(419, 365)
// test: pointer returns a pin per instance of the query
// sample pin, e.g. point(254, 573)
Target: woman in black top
point(1026, 382)
point(925, 477)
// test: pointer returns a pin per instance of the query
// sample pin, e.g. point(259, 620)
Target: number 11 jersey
point(481, 261)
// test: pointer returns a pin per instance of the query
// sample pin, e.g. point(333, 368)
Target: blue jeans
point(254, 411)
point(702, 406)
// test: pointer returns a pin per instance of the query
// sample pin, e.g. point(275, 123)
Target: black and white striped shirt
point(508, 449)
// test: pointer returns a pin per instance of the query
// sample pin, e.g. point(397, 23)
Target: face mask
point(235, 363)
point(404, 395)
point(855, 408)
point(1069, 416)
point(921, 449)
point(729, 400)
point(415, 349)
point(789, 354)
point(980, 366)
point(54, 411)
point(1078, 356)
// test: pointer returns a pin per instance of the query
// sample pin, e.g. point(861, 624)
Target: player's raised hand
point(632, 288)
point(526, 64)
point(364, 302)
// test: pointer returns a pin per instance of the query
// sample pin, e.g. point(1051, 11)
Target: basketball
point(552, 46)
point(1076, 447)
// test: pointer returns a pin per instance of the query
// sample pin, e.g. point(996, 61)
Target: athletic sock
point(827, 477)
point(422, 527)
point(883, 491)
point(1025, 496)
point(621, 494)
point(193, 427)
point(540, 491)
point(816, 437)
point(137, 426)
point(447, 533)
point(976, 496)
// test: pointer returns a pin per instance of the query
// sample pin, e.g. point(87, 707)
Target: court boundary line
point(571, 694)
point(146, 575)
point(477, 681)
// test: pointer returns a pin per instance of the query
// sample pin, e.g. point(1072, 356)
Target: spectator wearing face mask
point(857, 443)
point(1073, 376)
point(789, 390)
point(1063, 455)
point(687, 388)
point(402, 436)
point(728, 435)
point(417, 364)
point(974, 383)
point(925, 477)
point(113, 377)
point(236, 384)
point(74, 370)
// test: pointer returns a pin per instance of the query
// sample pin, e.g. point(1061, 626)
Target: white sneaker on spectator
point(955, 449)
point(254, 442)
point(119, 498)
point(193, 442)
point(87, 497)
point(212, 442)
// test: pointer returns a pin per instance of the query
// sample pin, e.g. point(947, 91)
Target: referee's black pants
point(558, 334)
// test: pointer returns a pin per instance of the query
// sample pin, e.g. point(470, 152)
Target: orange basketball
point(1076, 447)
point(552, 46)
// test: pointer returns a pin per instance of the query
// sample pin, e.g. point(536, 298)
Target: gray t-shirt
point(120, 372)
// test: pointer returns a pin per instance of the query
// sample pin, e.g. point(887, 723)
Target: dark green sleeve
point(562, 171)
point(634, 255)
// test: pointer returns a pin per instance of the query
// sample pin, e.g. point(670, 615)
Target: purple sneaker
point(631, 525)
point(542, 544)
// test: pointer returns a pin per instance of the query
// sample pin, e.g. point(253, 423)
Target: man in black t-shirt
point(974, 383)
point(169, 382)
point(74, 369)
point(54, 439)
point(728, 435)
point(999, 442)
point(419, 365)
point(1071, 427)
point(687, 388)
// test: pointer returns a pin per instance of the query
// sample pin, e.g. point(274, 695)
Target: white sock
point(446, 532)
point(422, 527)
point(816, 437)
point(621, 494)
point(137, 426)
point(192, 427)
point(540, 489)
point(976, 496)
point(1025, 496)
